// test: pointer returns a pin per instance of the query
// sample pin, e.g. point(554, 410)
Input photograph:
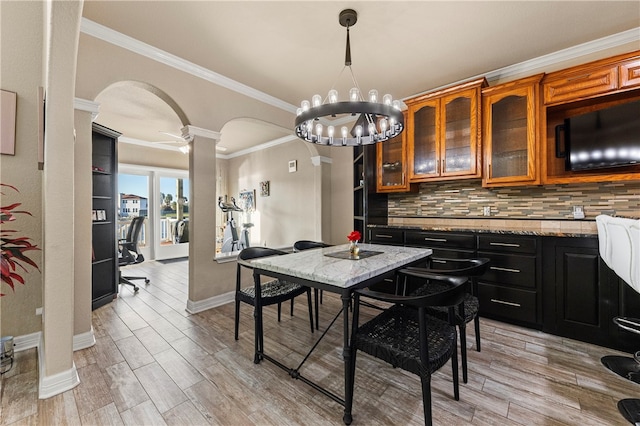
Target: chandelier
point(379, 119)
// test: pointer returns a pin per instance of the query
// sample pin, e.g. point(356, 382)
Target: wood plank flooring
point(154, 364)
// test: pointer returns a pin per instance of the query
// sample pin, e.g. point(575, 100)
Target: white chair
point(619, 246)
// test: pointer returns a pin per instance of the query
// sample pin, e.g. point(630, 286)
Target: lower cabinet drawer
point(511, 269)
point(509, 303)
point(386, 236)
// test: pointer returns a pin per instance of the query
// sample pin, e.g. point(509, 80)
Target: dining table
point(334, 269)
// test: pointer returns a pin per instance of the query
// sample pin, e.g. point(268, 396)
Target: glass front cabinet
point(392, 165)
point(443, 132)
point(510, 117)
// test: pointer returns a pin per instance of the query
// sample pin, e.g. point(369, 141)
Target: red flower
point(354, 236)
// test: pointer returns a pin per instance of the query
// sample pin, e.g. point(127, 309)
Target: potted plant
point(14, 258)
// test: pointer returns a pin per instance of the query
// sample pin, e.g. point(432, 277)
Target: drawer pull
point(497, 268)
point(440, 240)
point(504, 244)
point(438, 261)
point(384, 236)
point(502, 302)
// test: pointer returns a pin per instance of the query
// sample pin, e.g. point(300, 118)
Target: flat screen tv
point(600, 139)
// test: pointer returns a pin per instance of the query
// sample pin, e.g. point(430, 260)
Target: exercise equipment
point(231, 241)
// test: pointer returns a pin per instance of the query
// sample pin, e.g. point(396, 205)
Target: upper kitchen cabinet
point(443, 134)
point(392, 165)
point(511, 133)
point(581, 96)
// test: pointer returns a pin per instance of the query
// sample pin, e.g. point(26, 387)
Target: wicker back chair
point(301, 245)
point(272, 292)
point(406, 337)
point(472, 269)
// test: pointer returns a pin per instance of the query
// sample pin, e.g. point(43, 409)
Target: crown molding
point(273, 143)
point(88, 106)
point(118, 39)
point(189, 132)
point(542, 62)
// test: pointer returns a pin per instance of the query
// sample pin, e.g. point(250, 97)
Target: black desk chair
point(406, 337)
point(472, 269)
point(301, 245)
point(272, 292)
point(129, 253)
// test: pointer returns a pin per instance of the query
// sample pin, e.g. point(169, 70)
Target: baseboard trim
point(84, 340)
point(55, 384)
point(212, 302)
point(27, 341)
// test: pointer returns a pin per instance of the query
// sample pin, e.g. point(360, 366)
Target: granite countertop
point(554, 228)
point(315, 265)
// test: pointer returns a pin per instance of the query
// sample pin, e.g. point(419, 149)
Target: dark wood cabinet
point(369, 207)
point(104, 268)
point(582, 295)
point(511, 288)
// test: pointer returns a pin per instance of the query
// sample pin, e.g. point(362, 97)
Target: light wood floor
point(154, 364)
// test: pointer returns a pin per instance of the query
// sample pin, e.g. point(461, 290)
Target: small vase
point(354, 249)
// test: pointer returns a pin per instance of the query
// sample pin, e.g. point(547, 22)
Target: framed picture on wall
point(248, 200)
point(264, 188)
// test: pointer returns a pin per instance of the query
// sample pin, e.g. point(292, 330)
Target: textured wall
point(467, 199)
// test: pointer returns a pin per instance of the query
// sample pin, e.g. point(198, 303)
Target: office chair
point(129, 254)
point(306, 245)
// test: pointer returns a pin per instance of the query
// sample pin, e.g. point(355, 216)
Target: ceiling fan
point(184, 148)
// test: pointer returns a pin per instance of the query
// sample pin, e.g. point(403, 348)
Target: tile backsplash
point(469, 199)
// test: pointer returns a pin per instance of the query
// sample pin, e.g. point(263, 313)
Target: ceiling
point(291, 50)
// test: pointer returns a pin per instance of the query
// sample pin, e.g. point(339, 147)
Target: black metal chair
point(472, 269)
point(272, 292)
point(129, 253)
point(406, 337)
point(301, 245)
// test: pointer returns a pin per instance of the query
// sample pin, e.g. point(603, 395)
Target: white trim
point(542, 62)
point(86, 105)
point(26, 341)
point(116, 38)
point(211, 302)
point(55, 384)
point(154, 145)
point(84, 340)
point(271, 144)
point(319, 159)
point(189, 131)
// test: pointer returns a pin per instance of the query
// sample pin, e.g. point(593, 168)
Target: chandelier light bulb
point(381, 117)
point(383, 126)
point(333, 96)
point(354, 94)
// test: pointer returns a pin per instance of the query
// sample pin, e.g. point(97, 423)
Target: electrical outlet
point(486, 210)
point(578, 212)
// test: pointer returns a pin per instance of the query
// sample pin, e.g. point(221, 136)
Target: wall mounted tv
point(600, 139)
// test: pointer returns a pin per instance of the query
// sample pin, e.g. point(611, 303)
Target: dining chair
point(404, 336)
point(301, 245)
point(471, 269)
point(272, 292)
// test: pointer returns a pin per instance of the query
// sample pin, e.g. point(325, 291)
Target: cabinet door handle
point(503, 302)
point(438, 261)
point(497, 268)
point(504, 244)
point(383, 236)
point(440, 240)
